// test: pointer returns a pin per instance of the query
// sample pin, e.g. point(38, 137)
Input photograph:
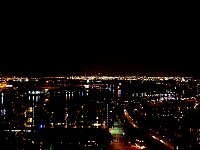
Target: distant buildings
point(164, 106)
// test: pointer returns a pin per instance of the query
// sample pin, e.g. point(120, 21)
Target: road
point(133, 123)
point(156, 136)
point(119, 142)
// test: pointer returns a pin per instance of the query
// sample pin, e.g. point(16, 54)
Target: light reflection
point(66, 96)
point(3, 112)
point(119, 92)
point(2, 95)
point(37, 98)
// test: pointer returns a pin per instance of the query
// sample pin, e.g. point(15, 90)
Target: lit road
point(117, 145)
point(133, 123)
point(158, 137)
point(119, 142)
point(152, 135)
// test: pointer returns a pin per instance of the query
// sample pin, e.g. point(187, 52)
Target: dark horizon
point(106, 61)
point(46, 45)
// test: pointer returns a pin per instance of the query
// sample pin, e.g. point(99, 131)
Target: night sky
point(51, 44)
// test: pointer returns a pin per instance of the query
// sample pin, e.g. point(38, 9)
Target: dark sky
point(139, 44)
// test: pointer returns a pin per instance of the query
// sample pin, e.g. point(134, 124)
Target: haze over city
point(107, 61)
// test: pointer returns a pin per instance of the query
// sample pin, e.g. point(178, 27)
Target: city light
point(126, 107)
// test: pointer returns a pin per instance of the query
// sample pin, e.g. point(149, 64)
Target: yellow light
point(46, 100)
point(30, 109)
point(30, 120)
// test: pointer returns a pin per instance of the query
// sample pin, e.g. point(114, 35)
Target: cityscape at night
point(100, 112)
point(99, 79)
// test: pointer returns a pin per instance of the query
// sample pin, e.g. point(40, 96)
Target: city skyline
point(133, 112)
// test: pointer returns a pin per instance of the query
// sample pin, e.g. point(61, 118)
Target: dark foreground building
point(56, 138)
